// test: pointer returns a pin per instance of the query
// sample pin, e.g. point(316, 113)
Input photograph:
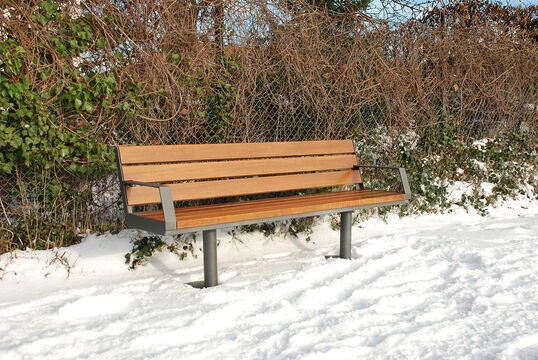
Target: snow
point(442, 286)
point(481, 143)
point(457, 189)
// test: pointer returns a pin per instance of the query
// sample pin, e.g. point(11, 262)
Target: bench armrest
point(166, 201)
point(141, 183)
point(403, 176)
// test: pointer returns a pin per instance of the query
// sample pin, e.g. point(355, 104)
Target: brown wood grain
point(256, 209)
point(200, 152)
point(139, 195)
point(236, 168)
point(269, 203)
point(277, 205)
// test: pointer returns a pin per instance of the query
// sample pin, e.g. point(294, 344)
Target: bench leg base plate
point(197, 284)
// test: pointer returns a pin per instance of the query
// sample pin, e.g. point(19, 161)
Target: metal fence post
point(210, 258)
point(346, 219)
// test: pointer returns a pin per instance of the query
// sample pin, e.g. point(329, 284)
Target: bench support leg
point(346, 220)
point(210, 258)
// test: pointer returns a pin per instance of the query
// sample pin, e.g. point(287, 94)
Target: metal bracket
point(403, 176)
point(167, 203)
point(126, 208)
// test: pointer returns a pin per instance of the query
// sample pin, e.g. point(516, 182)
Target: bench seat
point(229, 214)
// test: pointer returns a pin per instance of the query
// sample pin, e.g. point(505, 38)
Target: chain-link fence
point(252, 71)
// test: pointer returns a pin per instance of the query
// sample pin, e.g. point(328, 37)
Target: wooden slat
point(236, 168)
point(230, 206)
point(140, 195)
point(283, 202)
point(293, 202)
point(241, 211)
point(200, 152)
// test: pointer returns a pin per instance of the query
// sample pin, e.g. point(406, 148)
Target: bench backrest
point(219, 170)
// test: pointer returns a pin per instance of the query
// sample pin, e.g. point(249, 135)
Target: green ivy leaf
point(87, 106)
point(100, 43)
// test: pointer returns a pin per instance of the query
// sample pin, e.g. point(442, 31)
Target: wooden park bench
point(164, 174)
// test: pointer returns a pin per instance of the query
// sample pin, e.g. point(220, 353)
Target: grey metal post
point(126, 208)
point(346, 219)
point(210, 258)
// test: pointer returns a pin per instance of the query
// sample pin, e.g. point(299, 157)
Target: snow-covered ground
point(447, 286)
